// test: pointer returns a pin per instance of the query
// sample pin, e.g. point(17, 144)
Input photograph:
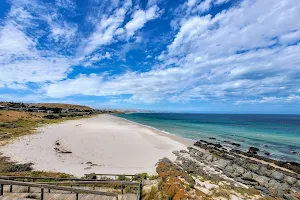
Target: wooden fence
point(76, 191)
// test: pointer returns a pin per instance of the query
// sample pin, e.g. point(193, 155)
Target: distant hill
point(61, 105)
point(47, 105)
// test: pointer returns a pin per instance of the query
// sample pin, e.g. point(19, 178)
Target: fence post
point(10, 188)
point(77, 196)
point(1, 189)
point(122, 188)
point(141, 188)
point(28, 189)
point(42, 193)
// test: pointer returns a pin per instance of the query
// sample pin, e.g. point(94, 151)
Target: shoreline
point(108, 144)
point(185, 141)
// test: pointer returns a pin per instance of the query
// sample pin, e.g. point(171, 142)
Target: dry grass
point(12, 116)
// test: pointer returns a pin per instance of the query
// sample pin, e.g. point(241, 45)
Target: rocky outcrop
point(216, 164)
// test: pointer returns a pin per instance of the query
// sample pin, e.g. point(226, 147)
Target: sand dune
point(101, 144)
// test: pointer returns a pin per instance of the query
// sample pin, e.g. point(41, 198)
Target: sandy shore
point(101, 144)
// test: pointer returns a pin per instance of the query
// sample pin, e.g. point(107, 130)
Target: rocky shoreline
point(212, 161)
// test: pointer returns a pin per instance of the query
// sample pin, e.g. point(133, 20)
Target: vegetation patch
point(18, 167)
point(175, 183)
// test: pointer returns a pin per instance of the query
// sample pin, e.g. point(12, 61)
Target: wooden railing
point(76, 181)
point(52, 187)
point(114, 175)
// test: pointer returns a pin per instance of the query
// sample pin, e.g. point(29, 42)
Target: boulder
point(235, 144)
point(248, 176)
point(285, 187)
point(275, 188)
point(209, 158)
point(215, 159)
point(298, 183)
point(253, 167)
point(289, 197)
point(290, 180)
point(229, 169)
point(262, 180)
point(223, 163)
point(267, 153)
point(277, 175)
point(183, 151)
point(238, 170)
point(263, 189)
point(264, 171)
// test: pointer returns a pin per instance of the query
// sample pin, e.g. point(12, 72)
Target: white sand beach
point(100, 144)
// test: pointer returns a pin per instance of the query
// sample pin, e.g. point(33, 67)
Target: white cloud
point(109, 29)
point(67, 4)
point(21, 59)
point(290, 37)
point(139, 18)
point(105, 31)
point(225, 57)
point(270, 100)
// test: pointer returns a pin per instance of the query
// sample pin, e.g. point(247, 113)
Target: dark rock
point(91, 176)
point(263, 189)
point(265, 145)
point(253, 150)
point(267, 153)
point(212, 138)
point(289, 197)
point(235, 144)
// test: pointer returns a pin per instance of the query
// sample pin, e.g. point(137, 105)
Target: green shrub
point(153, 177)
point(18, 167)
point(9, 125)
point(123, 178)
point(51, 116)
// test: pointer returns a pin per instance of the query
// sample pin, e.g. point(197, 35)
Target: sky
point(215, 56)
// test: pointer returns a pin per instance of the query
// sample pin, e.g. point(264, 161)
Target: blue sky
point(238, 56)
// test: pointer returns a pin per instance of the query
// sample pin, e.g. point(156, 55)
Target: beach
point(100, 144)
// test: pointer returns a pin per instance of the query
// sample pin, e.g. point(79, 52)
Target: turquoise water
point(276, 134)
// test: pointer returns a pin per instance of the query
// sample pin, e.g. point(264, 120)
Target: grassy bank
point(14, 124)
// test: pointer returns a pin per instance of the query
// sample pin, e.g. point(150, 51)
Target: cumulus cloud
point(105, 31)
point(234, 55)
point(22, 59)
point(248, 53)
point(109, 29)
point(139, 18)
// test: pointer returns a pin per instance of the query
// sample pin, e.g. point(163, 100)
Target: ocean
point(278, 135)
